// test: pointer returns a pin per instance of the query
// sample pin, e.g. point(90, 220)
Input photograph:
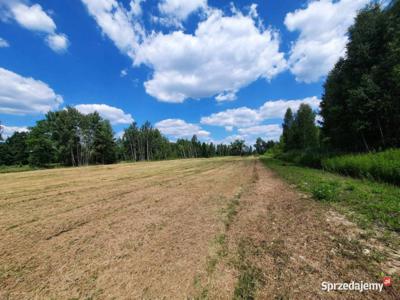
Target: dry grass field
point(207, 228)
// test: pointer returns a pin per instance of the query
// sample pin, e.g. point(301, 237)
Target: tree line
point(361, 102)
point(70, 138)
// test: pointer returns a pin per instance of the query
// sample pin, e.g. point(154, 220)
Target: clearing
point(203, 228)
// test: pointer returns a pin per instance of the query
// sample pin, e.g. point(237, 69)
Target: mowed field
point(204, 228)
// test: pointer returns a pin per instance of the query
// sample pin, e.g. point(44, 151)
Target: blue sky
point(220, 69)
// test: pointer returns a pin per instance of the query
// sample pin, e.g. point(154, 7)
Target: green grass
point(11, 169)
point(366, 202)
point(380, 166)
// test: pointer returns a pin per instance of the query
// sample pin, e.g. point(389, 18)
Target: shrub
point(326, 191)
point(380, 166)
point(311, 157)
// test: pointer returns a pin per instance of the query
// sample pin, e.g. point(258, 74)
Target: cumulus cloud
point(224, 54)
point(250, 134)
point(277, 109)
point(24, 95)
point(176, 11)
point(322, 26)
point(4, 43)
point(177, 128)
point(113, 114)
point(273, 129)
point(117, 23)
point(57, 42)
point(229, 96)
point(266, 132)
point(247, 117)
point(237, 117)
point(10, 130)
point(34, 18)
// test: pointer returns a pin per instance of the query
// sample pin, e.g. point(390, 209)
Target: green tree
point(40, 145)
point(237, 147)
point(305, 132)
point(260, 146)
point(16, 152)
point(360, 104)
point(287, 134)
point(104, 148)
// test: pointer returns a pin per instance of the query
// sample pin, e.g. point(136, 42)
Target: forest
point(70, 138)
point(360, 108)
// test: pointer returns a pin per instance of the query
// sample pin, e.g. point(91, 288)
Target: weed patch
point(250, 276)
point(365, 202)
point(380, 166)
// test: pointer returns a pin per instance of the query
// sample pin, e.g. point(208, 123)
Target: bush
point(326, 191)
point(309, 158)
point(380, 166)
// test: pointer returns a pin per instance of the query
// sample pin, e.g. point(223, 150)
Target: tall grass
point(380, 166)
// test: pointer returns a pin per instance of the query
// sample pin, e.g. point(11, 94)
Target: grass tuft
point(380, 166)
point(368, 202)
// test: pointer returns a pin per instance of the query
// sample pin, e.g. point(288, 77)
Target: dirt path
point(283, 245)
point(214, 229)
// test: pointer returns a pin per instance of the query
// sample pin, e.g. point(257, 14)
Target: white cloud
point(178, 10)
point(24, 95)
point(229, 96)
point(253, 11)
point(10, 130)
point(277, 109)
point(323, 26)
point(117, 24)
point(246, 117)
point(123, 73)
point(119, 134)
point(250, 134)
point(238, 117)
point(58, 42)
point(34, 18)
point(136, 8)
point(113, 114)
point(177, 128)
point(222, 56)
point(261, 130)
point(4, 43)
point(266, 132)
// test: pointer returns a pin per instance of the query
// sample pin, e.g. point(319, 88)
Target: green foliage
point(41, 146)
point(326, 191)
point(299, 130)
point(311, 157)
point(380, 166)
point(367, 202)
point(14, 150)
point(361, 104)
point(147, 143)
point(287, 134)
point(262, 146)
point(237, 147)
point(1, 132)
